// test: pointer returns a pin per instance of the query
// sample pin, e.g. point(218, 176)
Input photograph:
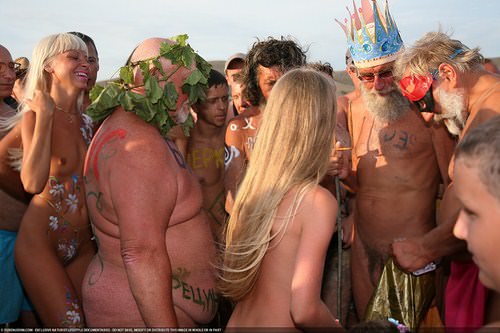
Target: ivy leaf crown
point(154, 106)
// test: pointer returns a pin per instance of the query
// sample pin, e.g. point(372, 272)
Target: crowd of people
point(179, 196)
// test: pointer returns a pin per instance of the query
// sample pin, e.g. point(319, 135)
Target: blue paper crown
point(373, 39)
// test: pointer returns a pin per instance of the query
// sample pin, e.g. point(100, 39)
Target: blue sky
point(219, 28)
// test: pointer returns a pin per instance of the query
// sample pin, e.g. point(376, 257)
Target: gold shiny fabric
point(401, 296)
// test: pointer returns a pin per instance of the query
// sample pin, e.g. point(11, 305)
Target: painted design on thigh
point(208, 300)
point(230, 153)
point(65, 200)
point(73, 315)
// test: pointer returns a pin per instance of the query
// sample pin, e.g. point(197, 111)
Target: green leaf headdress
point(153, 107)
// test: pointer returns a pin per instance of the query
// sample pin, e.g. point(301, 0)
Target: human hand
point(339, 161)
point(410, 254)
point(41, 103)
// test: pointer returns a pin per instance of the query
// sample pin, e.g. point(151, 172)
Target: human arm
point(37, 141)
point(234, 162)
point(318, 214)
point(143, 190)
point(10, 180)
point(415, 253)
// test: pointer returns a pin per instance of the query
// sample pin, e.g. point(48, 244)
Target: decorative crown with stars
point(373, 38)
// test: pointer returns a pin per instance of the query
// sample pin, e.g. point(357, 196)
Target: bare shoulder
point(357, 104)
point(319, 204)
point(242, 118)
point(126, 143)
point(490, 106)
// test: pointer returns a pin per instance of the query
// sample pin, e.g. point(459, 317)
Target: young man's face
point(267, 78)
point(214, 109)
point(478, 222)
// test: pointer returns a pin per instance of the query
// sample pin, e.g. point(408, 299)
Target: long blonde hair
point(37, 78)
point(292, 150)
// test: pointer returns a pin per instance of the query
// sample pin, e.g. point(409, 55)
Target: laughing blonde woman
point(54, 243)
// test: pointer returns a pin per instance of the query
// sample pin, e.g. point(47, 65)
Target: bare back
point(292, 268)
point(143, 198)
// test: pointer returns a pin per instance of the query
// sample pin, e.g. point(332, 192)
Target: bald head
point(148, 48)
point(5, 54)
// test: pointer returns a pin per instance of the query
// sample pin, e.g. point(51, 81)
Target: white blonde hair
point(38, 78)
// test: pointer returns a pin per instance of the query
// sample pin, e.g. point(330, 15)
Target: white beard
point(453, 111)
point(388, 108)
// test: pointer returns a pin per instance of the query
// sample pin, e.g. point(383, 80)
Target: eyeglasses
point(9, 65)
point(370, 77)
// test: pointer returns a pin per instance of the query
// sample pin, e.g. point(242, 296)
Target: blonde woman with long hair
point(282, 220)
point(54, 243)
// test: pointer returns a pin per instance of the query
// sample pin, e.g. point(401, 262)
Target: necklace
point(69, 114)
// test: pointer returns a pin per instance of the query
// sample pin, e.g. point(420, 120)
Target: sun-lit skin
point(73, 71)
point(478, 222)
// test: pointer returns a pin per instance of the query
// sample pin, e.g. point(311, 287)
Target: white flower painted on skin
point(54, 222)
point(86, 128)
point(70, 252)
point(72, 202)
point(73, 316)
point(57, 190)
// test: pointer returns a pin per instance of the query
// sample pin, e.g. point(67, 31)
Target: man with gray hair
point(446, 81)
point(398, 161)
